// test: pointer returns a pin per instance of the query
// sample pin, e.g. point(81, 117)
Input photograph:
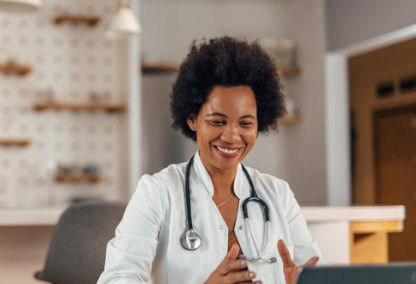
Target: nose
point(231, 133)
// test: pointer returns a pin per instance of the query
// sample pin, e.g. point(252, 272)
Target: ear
point(191, 121)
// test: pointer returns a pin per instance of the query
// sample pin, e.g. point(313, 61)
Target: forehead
point(236, 100)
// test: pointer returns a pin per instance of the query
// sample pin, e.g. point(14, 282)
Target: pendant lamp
point(20, 5)
point(124, 23)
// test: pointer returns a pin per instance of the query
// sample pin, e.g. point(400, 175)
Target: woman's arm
point(130, 253)
point(303, 243)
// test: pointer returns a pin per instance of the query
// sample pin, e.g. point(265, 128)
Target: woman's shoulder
point(168, 177)
point(269, 182)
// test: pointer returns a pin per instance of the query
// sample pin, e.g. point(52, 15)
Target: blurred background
point(84, 112)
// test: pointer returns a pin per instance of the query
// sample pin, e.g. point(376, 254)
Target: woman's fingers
point(311, 262)
point(231, 262)
point(284, 254)
point(239, 264)
point(239, 276)
point(233, 253)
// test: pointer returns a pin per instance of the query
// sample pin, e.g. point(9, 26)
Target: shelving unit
point(288, 70)
point(19, 142)
point(81, 177)
point(159, 68)
point(150, 68)
point(13, 68)
point(107, 107)
point(90, 20)
point(290, 119)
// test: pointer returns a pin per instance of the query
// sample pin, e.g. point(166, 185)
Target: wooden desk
point(355, 234)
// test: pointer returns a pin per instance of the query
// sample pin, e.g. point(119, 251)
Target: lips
point(227, 151)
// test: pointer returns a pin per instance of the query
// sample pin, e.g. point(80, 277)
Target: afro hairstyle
point(227, 62)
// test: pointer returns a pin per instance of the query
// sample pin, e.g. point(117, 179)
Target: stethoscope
point(191, 240)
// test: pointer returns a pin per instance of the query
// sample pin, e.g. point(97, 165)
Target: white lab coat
point(147, 248)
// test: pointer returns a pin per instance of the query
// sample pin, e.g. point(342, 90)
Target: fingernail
point(259, 282)
point(243, 263)
point(252, 274)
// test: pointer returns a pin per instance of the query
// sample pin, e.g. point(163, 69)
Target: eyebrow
point(223, 115)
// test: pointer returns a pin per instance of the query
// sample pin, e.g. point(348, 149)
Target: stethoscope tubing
point(253, 198)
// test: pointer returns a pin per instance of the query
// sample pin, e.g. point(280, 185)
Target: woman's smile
point(228, 152)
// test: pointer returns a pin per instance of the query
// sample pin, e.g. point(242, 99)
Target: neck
point(222, 180)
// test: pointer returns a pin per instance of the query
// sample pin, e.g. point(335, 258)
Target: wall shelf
point(13, 68)
point(19, 142)
point(288, 70)
point(150, 68)
point(107, 107)
point(69, 178)
point(90, 20)
point(290, 119)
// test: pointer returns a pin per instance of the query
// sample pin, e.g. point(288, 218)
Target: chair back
point(77, 248)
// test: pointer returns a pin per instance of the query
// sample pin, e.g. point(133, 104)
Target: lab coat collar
point(241, 185)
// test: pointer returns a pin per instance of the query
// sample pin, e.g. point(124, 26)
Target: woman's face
point(226, 126)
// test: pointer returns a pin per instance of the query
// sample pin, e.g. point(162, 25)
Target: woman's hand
point(289, 267)
point(232, 270)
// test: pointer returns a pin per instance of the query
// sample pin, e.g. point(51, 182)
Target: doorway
point(383, 142)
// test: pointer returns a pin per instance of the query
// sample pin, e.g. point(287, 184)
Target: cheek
point(207, 134)
point(250, 136)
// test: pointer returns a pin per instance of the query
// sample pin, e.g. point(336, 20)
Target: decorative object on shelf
point(19, 142)
point(11, 67)
point(20, 5)
point(107, 107)
point(90, 20)
point(46, 170)
point(290, 106)
point(283, 50)
point(75, 173)
point(91, 169)
point(124, 22)
point(292, 115)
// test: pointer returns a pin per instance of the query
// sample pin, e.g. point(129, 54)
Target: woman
point(227, 91)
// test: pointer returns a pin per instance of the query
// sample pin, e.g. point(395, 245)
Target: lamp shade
point(124, 22)
point(20, 5)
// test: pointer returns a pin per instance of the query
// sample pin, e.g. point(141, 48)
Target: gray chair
point(77, 248)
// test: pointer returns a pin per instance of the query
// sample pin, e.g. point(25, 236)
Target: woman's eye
point(245, 123)
point(217, 122)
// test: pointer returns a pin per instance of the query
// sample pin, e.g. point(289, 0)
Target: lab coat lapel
point(241, 185)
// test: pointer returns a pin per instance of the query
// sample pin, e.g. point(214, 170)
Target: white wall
point(297, 153)
point(354, 21)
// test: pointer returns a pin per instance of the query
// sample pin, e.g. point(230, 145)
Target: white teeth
point(226, 150)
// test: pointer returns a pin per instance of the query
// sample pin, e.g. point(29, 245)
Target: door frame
point(337, 124)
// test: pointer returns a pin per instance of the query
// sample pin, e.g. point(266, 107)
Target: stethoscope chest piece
point(190, 240)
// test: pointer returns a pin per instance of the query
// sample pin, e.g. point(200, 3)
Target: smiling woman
point(227, 91)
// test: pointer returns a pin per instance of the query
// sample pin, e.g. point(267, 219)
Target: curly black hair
point(226, 61)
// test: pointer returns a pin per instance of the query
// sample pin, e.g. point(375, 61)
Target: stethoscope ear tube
point(254, 197)
point(259, 201)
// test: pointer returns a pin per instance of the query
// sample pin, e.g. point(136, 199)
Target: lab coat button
point(221, 227)
point(240, 227)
